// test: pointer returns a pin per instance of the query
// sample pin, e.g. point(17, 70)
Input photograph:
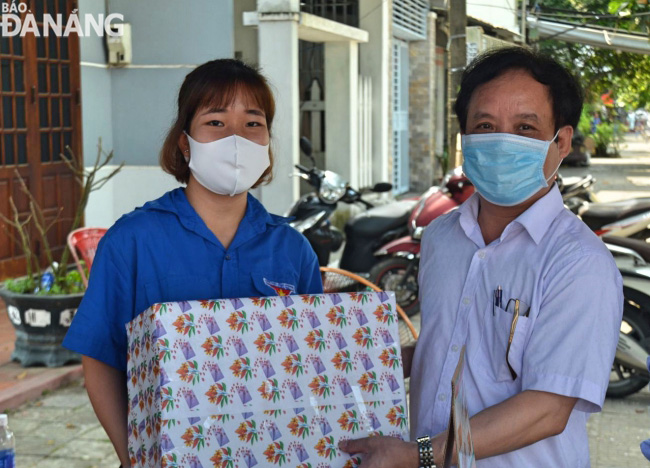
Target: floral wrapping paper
point(275, 381)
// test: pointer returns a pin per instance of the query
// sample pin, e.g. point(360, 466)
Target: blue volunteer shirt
point(164, 252)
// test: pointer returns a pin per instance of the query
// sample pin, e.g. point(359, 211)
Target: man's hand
point(383, 452)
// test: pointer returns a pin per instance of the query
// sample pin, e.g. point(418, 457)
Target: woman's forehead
point(227, 98)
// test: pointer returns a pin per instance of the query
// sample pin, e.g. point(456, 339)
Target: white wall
point(131, 108)
point(133, 186)
point(501, 13)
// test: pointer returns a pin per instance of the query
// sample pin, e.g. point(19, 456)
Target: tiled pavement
point(60, 430)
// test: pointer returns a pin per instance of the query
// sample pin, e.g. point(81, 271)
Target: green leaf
point(616, 5)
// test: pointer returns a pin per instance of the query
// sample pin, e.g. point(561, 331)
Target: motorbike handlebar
point(302, 168)
point(366, 204)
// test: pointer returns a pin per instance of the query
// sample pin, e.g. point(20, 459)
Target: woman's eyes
point(219, 123)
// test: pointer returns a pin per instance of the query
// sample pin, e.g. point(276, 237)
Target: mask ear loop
point(185, 155)
point(553, 140)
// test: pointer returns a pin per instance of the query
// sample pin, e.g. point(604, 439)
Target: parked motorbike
point(629, 370)
point(398, 267)
point(576, 190)
point(364, 233)
point(399, 262)
point(625, 218)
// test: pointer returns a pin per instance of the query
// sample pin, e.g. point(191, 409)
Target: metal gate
point(400, 104)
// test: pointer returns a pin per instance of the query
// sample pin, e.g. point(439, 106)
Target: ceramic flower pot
point(41, 323)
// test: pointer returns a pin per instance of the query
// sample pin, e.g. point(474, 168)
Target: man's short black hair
point(564, 89)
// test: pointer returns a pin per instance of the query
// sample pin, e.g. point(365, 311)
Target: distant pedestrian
point(631, 121)
point(595, 122)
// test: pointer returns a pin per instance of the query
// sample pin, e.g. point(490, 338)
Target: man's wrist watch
point(425, 452)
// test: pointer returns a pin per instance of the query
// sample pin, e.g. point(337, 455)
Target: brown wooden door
point(40, 115)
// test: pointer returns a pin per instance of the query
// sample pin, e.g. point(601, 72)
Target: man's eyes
point(483, 126)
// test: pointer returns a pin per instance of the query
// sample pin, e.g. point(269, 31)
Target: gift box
point(263, 382)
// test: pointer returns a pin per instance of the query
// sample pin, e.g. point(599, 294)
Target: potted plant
point(41, 304)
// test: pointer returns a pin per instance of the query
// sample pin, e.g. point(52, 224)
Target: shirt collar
point(535, 220)
point(468, 213)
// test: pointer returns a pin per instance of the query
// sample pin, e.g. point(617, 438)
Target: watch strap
point(425, 453)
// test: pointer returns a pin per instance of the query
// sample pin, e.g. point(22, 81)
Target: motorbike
point(364, 233)
point(630, 368)
point(398, 267)
point(625, 218)
point(576, 190)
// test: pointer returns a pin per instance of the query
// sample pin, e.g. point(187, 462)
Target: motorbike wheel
point(626, 382)
point(389, 275)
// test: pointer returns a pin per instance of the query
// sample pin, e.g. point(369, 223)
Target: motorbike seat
point(380, 219)
point(597, 215)
point(638, 245)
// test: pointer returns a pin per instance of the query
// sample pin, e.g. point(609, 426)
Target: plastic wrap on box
point(275, 381)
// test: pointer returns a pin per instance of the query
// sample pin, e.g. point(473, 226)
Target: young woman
point(210, 239)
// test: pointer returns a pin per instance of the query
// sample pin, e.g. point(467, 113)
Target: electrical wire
point(585, 13)
point(614, 30)
point(510, 8)
point(596, 16)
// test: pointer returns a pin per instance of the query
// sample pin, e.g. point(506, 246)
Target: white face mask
point(228, 166)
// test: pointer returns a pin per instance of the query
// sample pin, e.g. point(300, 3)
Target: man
point(511, 249)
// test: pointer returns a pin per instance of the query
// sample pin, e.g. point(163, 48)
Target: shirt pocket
point(495, 342)
point(273, 281)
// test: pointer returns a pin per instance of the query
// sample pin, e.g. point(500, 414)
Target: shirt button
point(454, 348)
point(442, 397)
point(227, 257)
point(466, 300)
point(481, 254)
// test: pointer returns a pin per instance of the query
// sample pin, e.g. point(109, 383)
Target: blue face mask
point(505, 168)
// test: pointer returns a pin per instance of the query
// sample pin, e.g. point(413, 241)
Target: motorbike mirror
point(306, 147)
point(382, 187)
